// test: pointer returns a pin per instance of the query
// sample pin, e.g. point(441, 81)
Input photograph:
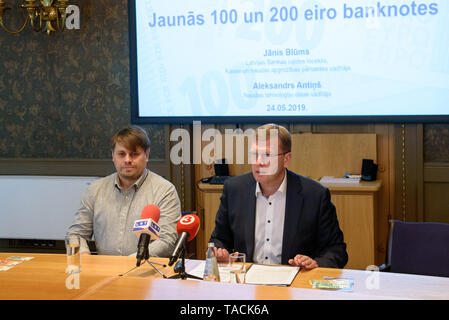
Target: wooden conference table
point(102, 278)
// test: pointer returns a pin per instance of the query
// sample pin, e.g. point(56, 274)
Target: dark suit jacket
point(310, 225)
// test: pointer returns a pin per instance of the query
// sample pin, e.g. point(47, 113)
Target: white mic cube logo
point(141, 223)
point(155, 226)
point(147, 226)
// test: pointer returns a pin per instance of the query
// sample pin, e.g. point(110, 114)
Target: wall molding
point(436, 173)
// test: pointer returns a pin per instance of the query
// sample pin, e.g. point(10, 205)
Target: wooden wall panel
point(317, 155)
point(436, 195)
point(422, 172)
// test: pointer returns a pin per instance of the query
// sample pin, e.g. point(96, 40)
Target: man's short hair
point(285, 139)
point(131, 137)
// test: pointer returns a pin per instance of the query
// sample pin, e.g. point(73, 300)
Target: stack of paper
point(328, 283)
point(331, 179)
point(199, 271)
point(271, 275)
point(10, 262)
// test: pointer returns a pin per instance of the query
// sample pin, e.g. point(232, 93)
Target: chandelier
point(44, 15)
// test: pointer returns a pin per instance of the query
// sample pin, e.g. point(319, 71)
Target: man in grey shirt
point(110, 206)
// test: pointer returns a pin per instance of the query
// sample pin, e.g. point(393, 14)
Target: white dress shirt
point(269, 227)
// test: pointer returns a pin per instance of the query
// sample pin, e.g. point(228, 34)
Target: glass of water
point(72, 244)
point(237, 267)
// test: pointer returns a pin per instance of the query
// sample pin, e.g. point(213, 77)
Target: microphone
point(187, 228)
point(147, 229)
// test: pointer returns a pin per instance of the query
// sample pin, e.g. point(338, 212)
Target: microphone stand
point(182, 270)
point(146, 257)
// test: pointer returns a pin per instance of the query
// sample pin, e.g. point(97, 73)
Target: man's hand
point(304, 262)
point(222, 255)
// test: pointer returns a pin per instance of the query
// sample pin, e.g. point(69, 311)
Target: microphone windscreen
point(151, 211)
point(189, 223)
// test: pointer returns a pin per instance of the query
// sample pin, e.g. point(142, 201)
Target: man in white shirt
point(110, 206)
point(276, 216)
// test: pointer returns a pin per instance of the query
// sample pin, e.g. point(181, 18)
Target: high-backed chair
point(418, 248)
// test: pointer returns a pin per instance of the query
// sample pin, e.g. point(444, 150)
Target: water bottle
point(211, 268)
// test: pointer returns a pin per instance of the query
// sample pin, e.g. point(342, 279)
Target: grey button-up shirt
point(108, 213)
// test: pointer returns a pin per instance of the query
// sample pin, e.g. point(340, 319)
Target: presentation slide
point(256, 58)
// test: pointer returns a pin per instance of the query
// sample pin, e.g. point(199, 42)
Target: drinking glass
point(72, 243)
point(237, 267)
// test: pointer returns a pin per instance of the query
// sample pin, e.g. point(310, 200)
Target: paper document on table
point(198, 271)
point(271, 274)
